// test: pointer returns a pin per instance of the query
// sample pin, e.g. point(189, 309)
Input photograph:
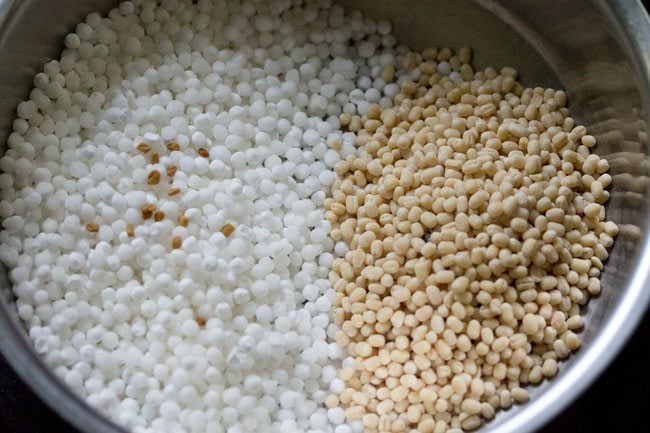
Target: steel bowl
point(598, 51)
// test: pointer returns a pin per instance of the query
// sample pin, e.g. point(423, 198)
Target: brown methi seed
point(143, 147)
point(173, 191)
point(176, 242)
point(130, 230)
point(153, 178)
point(201, 321)
point(155, 157)
point(227, 229)
point(173, 146)
point(183, 221)
point(203, 152)
point(159, 215)
point(171, 170)
point(147, 210)
point(92, 227)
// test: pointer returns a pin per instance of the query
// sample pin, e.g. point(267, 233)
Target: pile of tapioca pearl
point(474, 220)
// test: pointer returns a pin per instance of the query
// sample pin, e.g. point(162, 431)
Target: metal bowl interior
point(599, 51)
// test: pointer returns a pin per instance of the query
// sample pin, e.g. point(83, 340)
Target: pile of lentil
point(474, 219)
point(181, 182)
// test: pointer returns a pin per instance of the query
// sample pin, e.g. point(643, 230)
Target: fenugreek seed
point(143, 147)
point(203, 152)
point(153, 178)
point(227, 229)
point(130, 230)
point(158, 215)
point(147, 210)
point(176, 242)
point(173, 191)
point(171, 170)
point(173, 146)
point(92, 227)
point(155, 157)
point(182, 221)
point(200, 320)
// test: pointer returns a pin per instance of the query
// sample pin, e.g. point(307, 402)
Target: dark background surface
point(617, 402)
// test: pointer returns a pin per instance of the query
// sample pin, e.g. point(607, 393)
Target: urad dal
point(474, 220)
